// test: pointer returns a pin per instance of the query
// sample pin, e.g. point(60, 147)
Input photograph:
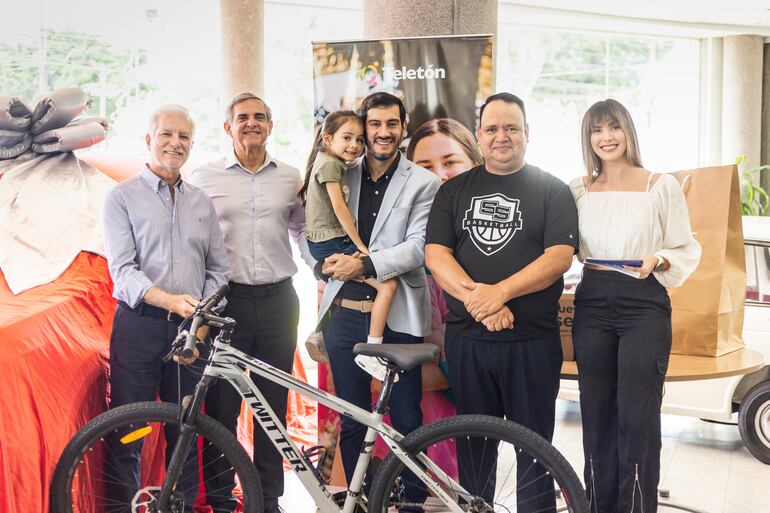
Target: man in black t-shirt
point(499, 238)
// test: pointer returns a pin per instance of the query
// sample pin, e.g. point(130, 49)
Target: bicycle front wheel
point(483, 464)
point(116, 464)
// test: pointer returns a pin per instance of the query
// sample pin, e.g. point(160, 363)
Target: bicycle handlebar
point(214, 299)
point(203, 308)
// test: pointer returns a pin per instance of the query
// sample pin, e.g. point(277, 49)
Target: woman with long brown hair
point(622, 324)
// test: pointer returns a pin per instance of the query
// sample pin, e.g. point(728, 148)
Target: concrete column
point(742, 99)
point(712, 61)
point(413, 18)
point(242, 23)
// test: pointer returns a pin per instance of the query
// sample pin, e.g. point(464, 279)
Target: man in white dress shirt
point(255, 197)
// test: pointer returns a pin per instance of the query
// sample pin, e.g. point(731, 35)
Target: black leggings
point(622, 336)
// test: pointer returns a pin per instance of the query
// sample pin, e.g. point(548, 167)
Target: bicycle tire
point(474, 432)
point(83, 474)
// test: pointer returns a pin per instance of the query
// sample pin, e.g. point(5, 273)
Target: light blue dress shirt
point(259, 214)
point(151, 240)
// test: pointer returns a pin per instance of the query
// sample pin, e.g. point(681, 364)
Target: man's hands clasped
point(499, 321)
point(344, 267)
point(486, 304)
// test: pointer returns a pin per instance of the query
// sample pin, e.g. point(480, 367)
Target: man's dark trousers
point(267, 317)
point(345, 329)
point(140, 338)
point(518, 380)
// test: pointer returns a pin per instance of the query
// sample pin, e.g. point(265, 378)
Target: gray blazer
point(397, 244)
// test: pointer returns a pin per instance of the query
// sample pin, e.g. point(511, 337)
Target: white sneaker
point(373, 367)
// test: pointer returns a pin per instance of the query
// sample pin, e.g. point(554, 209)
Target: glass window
point(560, 73)
point(757, 273)
point(151, 57)
point(130, 56)
point(290, 27)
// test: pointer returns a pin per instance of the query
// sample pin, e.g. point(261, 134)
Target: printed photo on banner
point(441, 77)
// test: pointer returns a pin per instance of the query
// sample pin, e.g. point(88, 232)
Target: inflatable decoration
point(50, 201)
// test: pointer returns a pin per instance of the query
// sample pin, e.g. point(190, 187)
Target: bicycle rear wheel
point(485, 464)
point(117, 462)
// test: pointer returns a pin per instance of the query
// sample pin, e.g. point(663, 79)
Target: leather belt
point(264, 290)
point(358, 306)
point(147, 310)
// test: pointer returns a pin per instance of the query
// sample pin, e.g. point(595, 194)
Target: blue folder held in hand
point(613, 263)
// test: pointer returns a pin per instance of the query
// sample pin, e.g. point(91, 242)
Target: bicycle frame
point(230, 364)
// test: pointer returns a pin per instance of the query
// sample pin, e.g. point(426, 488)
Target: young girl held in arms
point(330, 225)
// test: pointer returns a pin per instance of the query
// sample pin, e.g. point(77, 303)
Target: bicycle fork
point(190, 408)
point(188, 416)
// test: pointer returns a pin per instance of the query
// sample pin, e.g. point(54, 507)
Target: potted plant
point(754, 199)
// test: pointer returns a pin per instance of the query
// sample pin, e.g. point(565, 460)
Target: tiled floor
point(704, 466)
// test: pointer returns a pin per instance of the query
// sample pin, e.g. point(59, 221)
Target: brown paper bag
point(566, 314)
point(707, 311)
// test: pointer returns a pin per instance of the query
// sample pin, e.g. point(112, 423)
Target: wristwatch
point(661, 263)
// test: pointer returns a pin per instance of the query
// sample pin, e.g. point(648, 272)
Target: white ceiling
point(727, 16)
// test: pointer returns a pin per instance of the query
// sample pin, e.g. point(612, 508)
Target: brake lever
point(176, 344)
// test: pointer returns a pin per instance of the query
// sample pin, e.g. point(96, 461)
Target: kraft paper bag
point(707, 310)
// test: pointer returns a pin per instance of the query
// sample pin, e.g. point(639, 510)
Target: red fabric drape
point(54, 342)
point(54, 352)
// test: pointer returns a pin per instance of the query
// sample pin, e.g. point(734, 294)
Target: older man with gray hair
point(165, 252)
point(255, 197)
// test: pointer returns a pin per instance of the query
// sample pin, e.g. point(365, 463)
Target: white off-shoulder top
point(631, 225)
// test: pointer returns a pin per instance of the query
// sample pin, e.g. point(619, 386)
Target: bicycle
point(481, 447)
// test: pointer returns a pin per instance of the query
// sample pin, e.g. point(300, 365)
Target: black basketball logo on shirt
point(491, 221)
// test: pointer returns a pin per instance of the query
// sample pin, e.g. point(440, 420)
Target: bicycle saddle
point(404, 356)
